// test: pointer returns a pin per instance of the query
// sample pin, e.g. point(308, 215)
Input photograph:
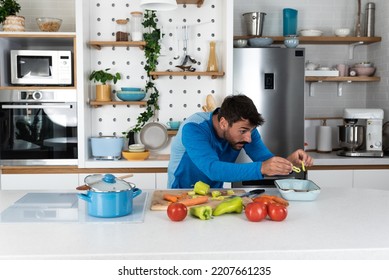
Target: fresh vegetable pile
point(260, 208)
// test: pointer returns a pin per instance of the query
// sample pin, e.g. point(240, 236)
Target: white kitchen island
point(340, 224)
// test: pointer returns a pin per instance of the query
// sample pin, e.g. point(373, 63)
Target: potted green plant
point(152, 52)
point(8, 17)
point(104, 77)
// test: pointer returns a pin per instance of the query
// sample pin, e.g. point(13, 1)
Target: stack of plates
point(136, 148)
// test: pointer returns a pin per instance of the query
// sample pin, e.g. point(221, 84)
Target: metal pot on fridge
point(109, 196)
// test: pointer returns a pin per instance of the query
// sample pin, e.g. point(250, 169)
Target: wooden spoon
point(86, 188)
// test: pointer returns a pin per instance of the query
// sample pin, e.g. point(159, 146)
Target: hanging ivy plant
point(152, 51)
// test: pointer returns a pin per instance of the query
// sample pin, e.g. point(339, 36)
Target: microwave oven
point(41, 67)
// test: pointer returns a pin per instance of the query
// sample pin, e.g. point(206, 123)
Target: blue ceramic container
point(131, 95)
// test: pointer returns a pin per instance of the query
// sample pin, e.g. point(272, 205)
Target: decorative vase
point(103, 93)
point(14, 24)
point(212, 60)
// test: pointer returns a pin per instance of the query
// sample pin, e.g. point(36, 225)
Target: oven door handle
point(36, 106)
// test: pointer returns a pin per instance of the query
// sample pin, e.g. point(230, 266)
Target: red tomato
point(256, 211)
point(177, 211)
point(277, 212)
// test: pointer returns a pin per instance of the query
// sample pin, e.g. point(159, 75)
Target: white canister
point(324, 138)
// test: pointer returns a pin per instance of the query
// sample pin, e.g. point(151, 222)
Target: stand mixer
point(361, 134)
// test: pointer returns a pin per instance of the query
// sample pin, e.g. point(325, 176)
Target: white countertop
point(333, 159)
point(340, 224)
point(154, 161)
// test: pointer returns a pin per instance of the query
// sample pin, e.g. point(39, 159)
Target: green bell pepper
point(233, 205)
point(201, 188)
point(201, 212)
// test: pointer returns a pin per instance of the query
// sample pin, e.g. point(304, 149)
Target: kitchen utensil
point(136, 155)
point(342, 32)
point(154, 136)
point(260, 42)
point(252, 193)
point(48, 24)
point(291, 41)
point(240, 43)
point(136, 148)
point(109, 196)
point(160, 204)
point(295, 189)
point(177, 56)
point(174, 124)
point(351, 137)
point(364, 71)
point(186, 57)
point(254, 23)
point(311, 32)
point(86, 187)
point(107, 147)
point(131, 95)
point(289, 21)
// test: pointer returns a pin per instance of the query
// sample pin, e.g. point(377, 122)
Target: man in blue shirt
point(208, 143)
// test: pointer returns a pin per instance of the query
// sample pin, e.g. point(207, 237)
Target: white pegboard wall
point(179, 96)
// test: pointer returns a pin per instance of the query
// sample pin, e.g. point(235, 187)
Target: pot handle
point(136, 192)
point(84, 197)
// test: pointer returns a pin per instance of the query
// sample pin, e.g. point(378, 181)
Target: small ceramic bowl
point(291, 41)
point(131, 95)
point(260, 42)
point(342, 32)
point(364, 71)
point(135, 156)
point(131, 89)
point(240, 43)
point(311, 32)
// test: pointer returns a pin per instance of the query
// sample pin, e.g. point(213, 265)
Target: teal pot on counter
point(108, 196)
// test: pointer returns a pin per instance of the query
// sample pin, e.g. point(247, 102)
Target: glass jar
point(136, 26)
point(121, 30)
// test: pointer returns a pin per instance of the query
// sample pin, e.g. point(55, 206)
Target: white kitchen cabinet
point(371, 179)
point(47, 182)
point(331, 178)
point(161, 180)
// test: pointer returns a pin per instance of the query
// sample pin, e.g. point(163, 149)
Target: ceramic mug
point(174, 124)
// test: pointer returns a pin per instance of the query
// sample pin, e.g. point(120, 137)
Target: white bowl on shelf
point(311, 32)
point(342, 32)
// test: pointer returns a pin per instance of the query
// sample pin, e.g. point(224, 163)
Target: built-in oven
point(38, 127)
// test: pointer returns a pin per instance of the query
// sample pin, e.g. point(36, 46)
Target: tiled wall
point(63, 9)
point(327, 16)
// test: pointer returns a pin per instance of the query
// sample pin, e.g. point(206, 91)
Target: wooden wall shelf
point(100, 44)
point(105, 103)
point(199, 3)
point(213, 75)
point(342, 79)
point(321, 40)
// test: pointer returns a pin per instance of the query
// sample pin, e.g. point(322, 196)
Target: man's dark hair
point(237, 107)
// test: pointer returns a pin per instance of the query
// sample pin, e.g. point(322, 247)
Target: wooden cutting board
point(159, 204)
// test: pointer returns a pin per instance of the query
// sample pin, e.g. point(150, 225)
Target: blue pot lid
point(106, 183)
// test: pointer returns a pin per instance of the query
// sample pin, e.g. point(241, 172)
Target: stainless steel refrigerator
point(273, 78)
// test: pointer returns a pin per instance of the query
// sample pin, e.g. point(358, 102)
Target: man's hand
point(276, 166)
point(299, 156)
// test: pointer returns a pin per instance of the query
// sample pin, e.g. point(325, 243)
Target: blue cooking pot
point(108, 196)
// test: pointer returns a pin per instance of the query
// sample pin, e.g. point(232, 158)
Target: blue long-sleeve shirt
point(198, 154)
